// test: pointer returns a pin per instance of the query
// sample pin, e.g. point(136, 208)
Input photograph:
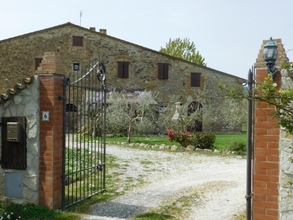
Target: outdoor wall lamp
point(270, 55)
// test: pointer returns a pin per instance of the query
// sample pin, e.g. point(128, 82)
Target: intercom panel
point(14, 132)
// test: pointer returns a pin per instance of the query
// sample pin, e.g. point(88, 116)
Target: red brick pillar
point(266, 159)
point(51, 132)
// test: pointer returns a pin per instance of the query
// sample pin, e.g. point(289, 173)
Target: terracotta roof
point(15, 90)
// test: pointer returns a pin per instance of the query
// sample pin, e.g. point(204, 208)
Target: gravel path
point(217, 181)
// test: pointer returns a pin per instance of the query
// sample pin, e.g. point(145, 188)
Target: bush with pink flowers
point(203, 140)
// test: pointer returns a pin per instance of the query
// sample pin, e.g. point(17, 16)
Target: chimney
point(103, 31)
point(92, 28)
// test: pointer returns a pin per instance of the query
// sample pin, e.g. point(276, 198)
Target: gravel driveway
point(214, 185)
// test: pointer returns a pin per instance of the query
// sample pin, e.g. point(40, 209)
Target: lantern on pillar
point(270, 55)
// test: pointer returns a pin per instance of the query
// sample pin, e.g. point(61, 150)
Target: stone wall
point(26, 103)
point(286, 165)
point(17, 56)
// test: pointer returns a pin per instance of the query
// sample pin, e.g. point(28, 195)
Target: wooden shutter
point(77, 41)
point(123, 69)
point(37, 62)
point(195, 79)
point(166, 70)
point(163, 69)
point(160, 71)
point(120, 69)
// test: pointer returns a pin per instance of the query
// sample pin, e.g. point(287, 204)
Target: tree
point(230, 114)
point(131, 113)
point(137, 113)
point(268, 92)
point(93, 115)
point(183, 49)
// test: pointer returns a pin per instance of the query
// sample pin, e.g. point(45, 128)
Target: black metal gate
point(84, 150)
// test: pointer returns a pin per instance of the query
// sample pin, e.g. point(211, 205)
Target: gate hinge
point(248, 197)
point(61, 97)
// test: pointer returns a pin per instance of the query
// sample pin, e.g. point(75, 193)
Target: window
point(75, 66)
point(77, 41)
point(38, 62)
point(195, 79)
point(163, 69)
point(123, 69)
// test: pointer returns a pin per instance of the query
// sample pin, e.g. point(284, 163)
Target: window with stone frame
point(76, 66)
point(123, 69)
point(195, 79)
point(77, 41)
point(38, 61)
point(163, 70)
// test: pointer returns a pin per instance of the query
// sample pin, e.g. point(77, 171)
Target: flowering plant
point(182, 138)
point(10, 216)
point(203, 140)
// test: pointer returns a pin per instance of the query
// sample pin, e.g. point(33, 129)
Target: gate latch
point(100, 167)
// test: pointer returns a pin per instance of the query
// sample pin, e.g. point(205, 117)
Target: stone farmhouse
point(129, 66)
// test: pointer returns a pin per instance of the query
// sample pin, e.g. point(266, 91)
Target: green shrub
point(26, 212)
point(143, 127)
point(238, 147)
point(203, 140)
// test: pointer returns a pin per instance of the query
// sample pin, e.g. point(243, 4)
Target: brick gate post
point(266, 158)
point(51, 130)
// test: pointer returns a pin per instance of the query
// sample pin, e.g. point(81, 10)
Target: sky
point(227, 33)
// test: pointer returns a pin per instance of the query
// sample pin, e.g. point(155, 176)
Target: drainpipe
point(249, 147)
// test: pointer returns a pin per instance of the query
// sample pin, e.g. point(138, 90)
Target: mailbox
point(13, 148)
point(14, 132)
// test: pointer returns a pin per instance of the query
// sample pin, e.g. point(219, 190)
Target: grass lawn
point(152, 140)
point(222, 142)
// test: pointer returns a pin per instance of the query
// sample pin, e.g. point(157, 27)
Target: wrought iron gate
point(84, 150)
